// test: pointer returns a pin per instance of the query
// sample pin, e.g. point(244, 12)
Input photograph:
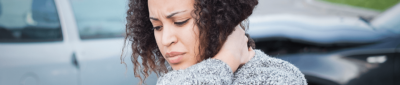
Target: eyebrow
point(172, 14)
point(169, 16)
point(154, 18)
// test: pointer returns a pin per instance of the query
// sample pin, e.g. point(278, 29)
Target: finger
point(251, 53)
point(246, 39)
point(245, 52)
point(239, 29)
point(251, 49)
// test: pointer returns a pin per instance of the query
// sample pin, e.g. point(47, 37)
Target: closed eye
point(157, 28)
point(181, 23)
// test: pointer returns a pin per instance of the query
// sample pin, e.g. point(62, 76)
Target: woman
point(202, 40)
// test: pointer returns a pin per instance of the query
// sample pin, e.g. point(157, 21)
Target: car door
point(34, 47)
point(101, 25)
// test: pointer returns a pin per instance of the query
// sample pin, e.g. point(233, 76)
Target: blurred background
point(79, 42)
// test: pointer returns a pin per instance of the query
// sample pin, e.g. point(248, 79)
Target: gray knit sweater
point(260, 70)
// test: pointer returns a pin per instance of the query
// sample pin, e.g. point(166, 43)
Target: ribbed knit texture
point(260, 70)
point(207, 72)
point(265, 70)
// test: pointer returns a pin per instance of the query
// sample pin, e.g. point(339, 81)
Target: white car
point(64, 42)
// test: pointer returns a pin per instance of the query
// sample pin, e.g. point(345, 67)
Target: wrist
point(228, 58)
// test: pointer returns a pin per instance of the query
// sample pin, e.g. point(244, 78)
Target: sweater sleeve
point(265, 70)
point(207, 72)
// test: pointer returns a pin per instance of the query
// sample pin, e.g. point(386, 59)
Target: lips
point(174, 57)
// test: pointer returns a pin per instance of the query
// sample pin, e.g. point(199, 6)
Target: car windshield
point(29, 20)
point(389, 20)
point(100, 18)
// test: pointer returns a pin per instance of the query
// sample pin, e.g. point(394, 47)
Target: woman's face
point(175, 31)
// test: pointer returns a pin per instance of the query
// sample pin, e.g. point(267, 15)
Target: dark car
point(334, 50)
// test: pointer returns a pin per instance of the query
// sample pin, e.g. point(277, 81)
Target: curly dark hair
point(216, 20)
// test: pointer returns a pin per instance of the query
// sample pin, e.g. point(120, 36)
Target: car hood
point(323, 30)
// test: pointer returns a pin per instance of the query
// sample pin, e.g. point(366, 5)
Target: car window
point(100, 18)
point(29, 21)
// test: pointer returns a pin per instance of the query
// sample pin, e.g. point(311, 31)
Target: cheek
point(190, 38)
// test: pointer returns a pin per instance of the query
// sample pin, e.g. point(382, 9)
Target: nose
point(169, 36)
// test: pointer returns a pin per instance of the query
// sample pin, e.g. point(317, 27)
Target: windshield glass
point(29, 20)
point(389, 20)
point(100, 18)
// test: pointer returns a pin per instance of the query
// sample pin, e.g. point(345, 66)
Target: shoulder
point(262, 69)
point(209, 71)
